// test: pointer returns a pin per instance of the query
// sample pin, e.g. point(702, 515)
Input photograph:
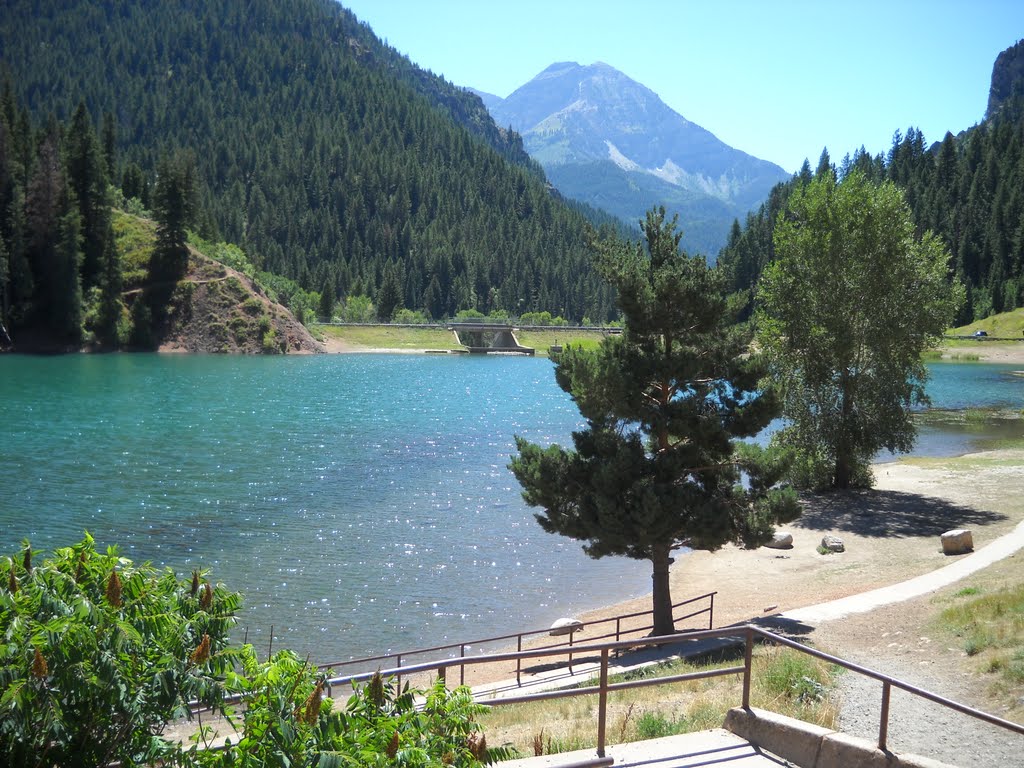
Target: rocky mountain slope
point(609, 141)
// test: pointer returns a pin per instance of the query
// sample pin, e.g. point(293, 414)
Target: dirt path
point(905, 641)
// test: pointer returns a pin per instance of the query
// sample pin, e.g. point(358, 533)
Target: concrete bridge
point(489, 338)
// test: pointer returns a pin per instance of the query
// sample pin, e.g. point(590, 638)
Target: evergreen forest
point(343, 169)
point(329, 158)
point(967, 189)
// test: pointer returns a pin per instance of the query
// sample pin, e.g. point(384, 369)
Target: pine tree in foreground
point(658, 465)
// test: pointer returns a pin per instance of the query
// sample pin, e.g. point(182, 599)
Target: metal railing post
point(398, 677)
point(711, 613)
point(570, 653)
point(883, 724)
point(748, 655)
point(519, 660)
point(602, 706)
point(441, 675)
point(462, 667)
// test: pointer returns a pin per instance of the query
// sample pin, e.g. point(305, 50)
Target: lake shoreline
point(982, 352)
point(891, 534)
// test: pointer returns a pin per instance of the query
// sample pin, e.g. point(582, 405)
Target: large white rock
point(957, 542)
point(565, 627)
point(781, 540)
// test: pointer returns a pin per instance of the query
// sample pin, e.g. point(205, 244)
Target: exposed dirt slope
point(217, 309)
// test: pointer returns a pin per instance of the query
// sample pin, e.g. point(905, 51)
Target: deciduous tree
point(657, 466)
point(846, 310)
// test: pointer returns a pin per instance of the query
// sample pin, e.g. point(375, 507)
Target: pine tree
point(656, 466)
point(173, 207)
point(65, 305)
point(389, 295)
point(325, 309)
point(87, 176)
point(111, 305)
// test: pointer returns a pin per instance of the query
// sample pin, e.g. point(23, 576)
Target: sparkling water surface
point(361, 503)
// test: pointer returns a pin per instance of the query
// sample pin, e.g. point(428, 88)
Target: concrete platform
point(717, 747)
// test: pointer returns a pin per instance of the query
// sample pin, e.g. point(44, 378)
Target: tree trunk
point(844, 466)
point(663, 623)
point(842, 475)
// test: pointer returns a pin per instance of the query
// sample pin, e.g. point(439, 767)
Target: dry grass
point(785, 681)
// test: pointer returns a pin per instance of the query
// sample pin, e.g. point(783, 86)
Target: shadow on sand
point(885, 514)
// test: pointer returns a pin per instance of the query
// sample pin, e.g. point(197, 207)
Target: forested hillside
point(328, 157)
point(967, 189)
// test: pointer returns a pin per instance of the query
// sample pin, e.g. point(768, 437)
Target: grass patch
point(563, 337)
point(134, 239)
point(1005, 324)
point(405, 338)
point(990, 628)
point(950, 352)
point(389, 337)
point(785, 681)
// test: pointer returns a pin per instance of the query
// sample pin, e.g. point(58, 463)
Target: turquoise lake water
point(360, 502)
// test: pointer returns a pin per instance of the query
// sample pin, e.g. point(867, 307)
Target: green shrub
point(252, 306)
point(654, 725)
point(793, 675)
point(287, 720)
point(98, 654)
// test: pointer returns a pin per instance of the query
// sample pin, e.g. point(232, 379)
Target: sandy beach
point(891, 533)
point(987, 352)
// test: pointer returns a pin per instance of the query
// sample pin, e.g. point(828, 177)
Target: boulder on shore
point(833, 544)
point(565, 627)
point(780, 540)
point(957, 542)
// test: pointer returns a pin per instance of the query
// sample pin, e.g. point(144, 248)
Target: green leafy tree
point(657, 466)
point(847, 308)
point(358, 309)
point(99, 654)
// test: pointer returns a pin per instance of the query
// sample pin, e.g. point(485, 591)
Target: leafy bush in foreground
point(288, 721)
point(98, 654)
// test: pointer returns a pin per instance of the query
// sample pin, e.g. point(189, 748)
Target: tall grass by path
point(784, 680)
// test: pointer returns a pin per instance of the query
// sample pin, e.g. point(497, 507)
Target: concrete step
point(716, 747)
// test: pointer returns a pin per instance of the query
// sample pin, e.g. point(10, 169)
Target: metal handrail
point(888, 682)
point(519, 636)
point(748, 633)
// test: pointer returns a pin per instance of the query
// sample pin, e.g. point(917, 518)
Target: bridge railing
point(616, 627)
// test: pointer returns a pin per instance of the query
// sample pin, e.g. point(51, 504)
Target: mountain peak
point(572, 115)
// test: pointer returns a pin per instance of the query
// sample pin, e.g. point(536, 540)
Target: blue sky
point(779, 80)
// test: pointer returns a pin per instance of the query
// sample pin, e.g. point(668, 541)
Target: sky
point(779, 80)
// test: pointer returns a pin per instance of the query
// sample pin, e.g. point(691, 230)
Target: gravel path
point(898, 640)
